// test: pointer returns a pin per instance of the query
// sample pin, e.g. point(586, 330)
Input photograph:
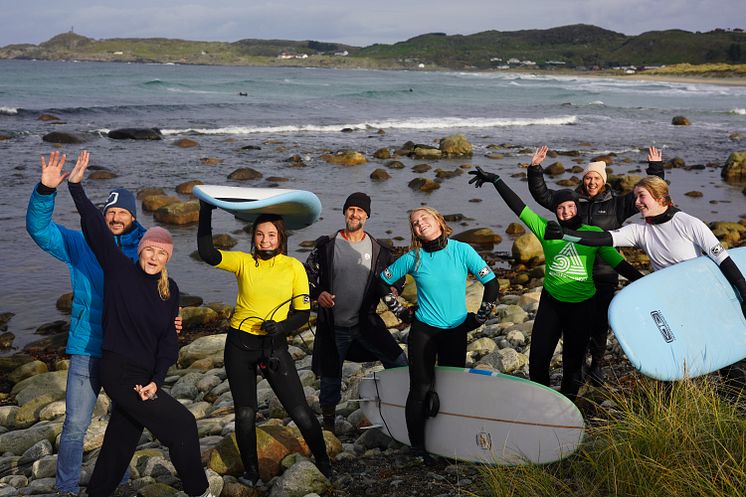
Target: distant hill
point(572, 46)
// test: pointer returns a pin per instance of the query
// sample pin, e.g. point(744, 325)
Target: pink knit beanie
point(596, 167)
point(157, 237)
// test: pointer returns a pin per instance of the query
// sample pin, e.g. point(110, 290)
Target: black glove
point(481, 177)
point(484, 312)
point(553, 231)
point(274, 328)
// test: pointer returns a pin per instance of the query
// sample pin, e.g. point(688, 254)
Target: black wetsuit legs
point(600, 331)
point(243, 353)
point(427, 345)
point(555, 319)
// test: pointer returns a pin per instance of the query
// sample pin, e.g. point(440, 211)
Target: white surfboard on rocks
point(298, 208)
point(484, 416)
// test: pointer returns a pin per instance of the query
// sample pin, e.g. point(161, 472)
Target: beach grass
point(701, 70)
point(655, 439)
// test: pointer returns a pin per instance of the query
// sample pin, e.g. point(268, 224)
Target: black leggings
point(573, 322)
point(165, 417)
point(243, 353)
point(426, 344)
point(600, 330)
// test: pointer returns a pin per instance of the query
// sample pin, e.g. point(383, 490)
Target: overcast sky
point(355, 22)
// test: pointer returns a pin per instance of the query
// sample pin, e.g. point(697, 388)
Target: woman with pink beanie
point(139, 345)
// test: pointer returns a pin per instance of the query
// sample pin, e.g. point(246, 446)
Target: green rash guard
point(569, 266)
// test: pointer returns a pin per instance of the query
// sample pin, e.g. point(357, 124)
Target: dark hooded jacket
point(607, 210)
point(319, 267)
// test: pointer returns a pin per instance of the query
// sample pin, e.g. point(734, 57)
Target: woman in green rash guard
point(566, 303)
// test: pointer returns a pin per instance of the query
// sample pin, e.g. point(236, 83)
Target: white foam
point(421, 123)
point(740, 112)
point(10, 111)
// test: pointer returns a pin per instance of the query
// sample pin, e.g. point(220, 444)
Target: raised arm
point(626, 203)
point(481, 177)
point(92, 222)
point(537, 186)
point(205, 246)
point(591, 238)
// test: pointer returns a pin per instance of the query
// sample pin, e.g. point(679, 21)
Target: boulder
point(6, 340)
point(52, 410)
point(694, 194)
point(152, 203)
point(527, 248)
point(446, 174)
point(135, 134)
point(426, 152)
point(224, 241)
point(301, 479)
point(46, 467)
point(36, 451)
point(148, 191)
point(505, 360)
point(102, 174)
point(680, 121)
point(4, 318)
point(421, 168)
point(395, 164)
point(187, 187)
point(64, 137)
point(624, 184)
point(555, 169)
point(211, 161)
point(201, 348)
point(27, 371)
point(380, 175)
point(52, 383)
point(53, 328)
point(511, 312)
point(345, 158)
point(456, 146)
point(53, 344)
point(735, 167)
point(423, 184)
point(157, 490)
point(478, 236)
point(8, 416)
point(515, 229)
point(9, 363)
point(185, 143)
point(178, 213)
point(244, 174)
point(47, 118)
point(19, 441)
point(382, 153)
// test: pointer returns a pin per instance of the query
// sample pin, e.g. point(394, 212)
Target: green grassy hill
point(578, 45)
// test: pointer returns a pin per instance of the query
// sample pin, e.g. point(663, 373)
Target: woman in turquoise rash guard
point(440, 322)
point(566, 303)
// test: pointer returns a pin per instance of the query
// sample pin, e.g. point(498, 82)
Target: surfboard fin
point(370, 427)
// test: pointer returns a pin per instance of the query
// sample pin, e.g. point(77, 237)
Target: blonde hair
point(415, 243)
point(164, 289)
point(658, 188)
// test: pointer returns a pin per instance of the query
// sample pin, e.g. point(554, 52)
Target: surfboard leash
point(380, 412)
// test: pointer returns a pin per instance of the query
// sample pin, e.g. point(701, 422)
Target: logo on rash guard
point(306, 299)
point(568, 264)
point(484, 272)
point(387, 273)
point(716, 250)
point(662, 325)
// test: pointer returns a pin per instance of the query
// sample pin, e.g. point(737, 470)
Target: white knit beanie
point(596, 167)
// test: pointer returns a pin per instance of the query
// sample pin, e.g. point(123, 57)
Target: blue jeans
point(83, 386)
point(331, 387)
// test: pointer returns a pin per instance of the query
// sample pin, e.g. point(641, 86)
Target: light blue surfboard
point(299, 208)
point(484, 416)
point(682, 321)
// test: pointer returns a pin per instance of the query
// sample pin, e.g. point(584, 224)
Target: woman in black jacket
point(598, 205)
point(139, 345)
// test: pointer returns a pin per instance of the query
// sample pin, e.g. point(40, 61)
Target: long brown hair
point(415, 243)
point(658, 189)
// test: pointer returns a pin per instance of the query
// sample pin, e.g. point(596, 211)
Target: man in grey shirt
point(342, 273)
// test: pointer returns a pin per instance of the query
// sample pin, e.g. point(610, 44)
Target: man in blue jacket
point(86, 333)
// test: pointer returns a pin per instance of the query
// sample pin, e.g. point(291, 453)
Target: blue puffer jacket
point(87, 279)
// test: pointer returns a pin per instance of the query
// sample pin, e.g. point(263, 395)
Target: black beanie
point(564, 196)
point(358, 199)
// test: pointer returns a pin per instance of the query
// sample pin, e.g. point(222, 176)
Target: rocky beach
point(406, 139)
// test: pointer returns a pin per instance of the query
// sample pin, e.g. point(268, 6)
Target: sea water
point(288, 111)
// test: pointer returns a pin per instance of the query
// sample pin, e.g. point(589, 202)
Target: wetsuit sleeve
point(656, 169)
point(301, 298)
point(514, 202)
point(627, 270)
point(313, 268)
point(707, 241)
point(735, 277)
point(205, 246)
point(402, 266)
point(96, 232)
point(167, 352)
point(476, 265)
point(610, 255)
point(534, 222)
point(589, 238)
point(537, 186)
